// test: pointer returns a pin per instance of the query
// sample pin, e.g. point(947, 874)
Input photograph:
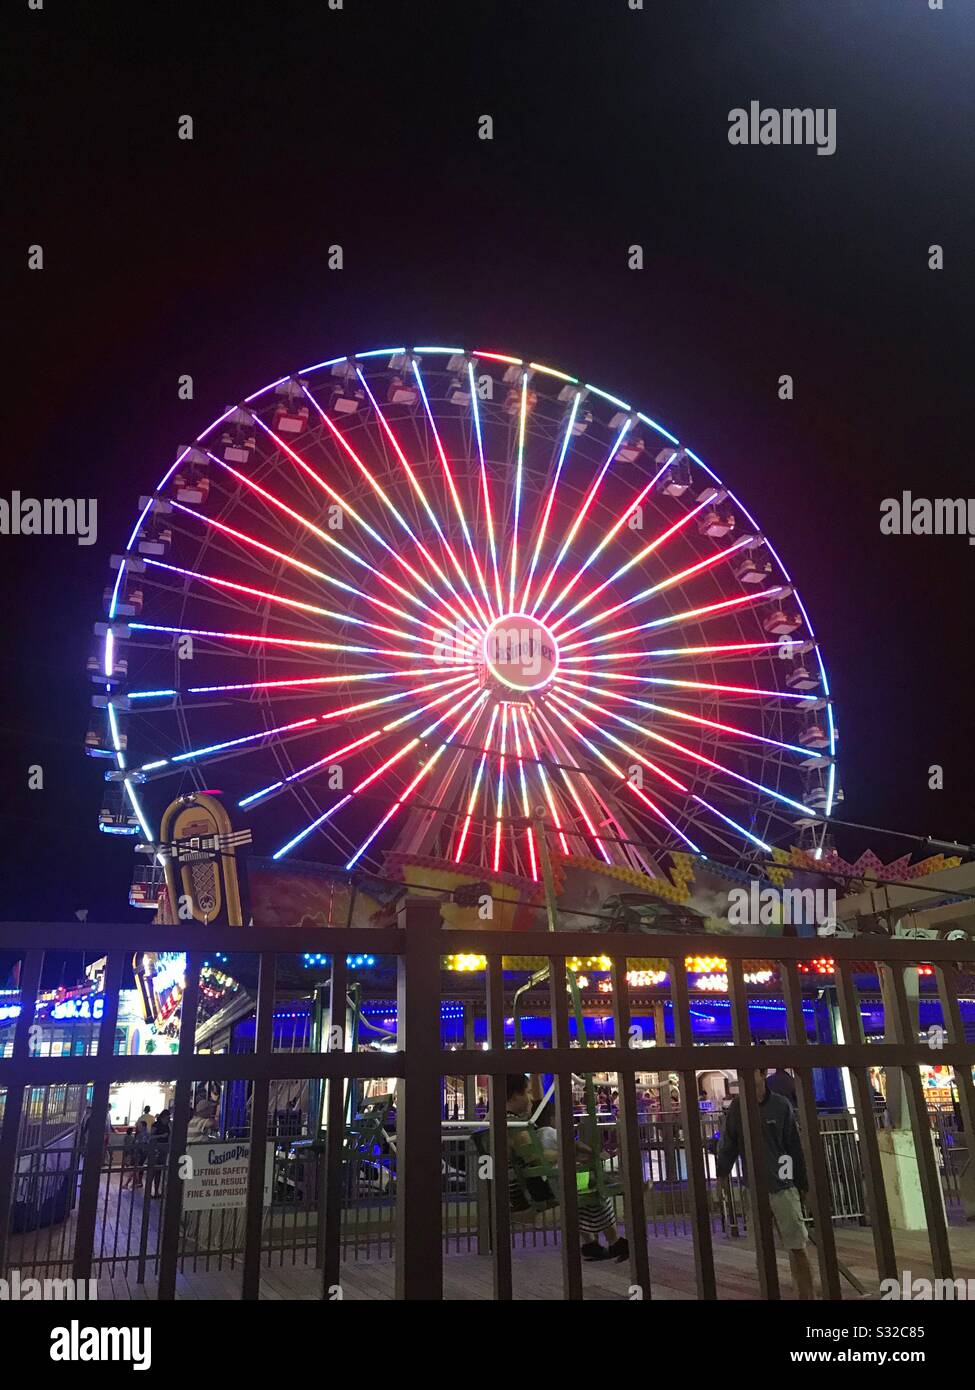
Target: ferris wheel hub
point(520, 653)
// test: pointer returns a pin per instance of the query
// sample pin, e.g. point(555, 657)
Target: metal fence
point(88, 1209)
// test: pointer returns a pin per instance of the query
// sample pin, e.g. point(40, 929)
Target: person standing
point(785, 1171)
point(159, 1138)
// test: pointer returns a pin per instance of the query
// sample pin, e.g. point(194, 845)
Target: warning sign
point(220, 1176)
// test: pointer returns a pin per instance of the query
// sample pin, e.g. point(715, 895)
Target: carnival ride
point(397, 601)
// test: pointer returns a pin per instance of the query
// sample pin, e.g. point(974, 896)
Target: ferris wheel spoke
point(367, 781)
point(476, 618)
point(667, 710)
point(209, 751)
point(431, 811)
point(562, 755)
point(581, 514)
point(499, 795)
point(461, 615)
point(629, 510)
point(426, 768)
point(316, 573)
point(550, 500)
point(296, 605)
point(455, 496)
point(309, 681)
point(306, 724)
point(674, 529)
point(523, 788)
point(475, 787)
point(267, 639)
point(658, 771)
point(618, 772)
point(544, 783)
point(337, 545)
point(662, 585)
point(688, 685)
point(690, 753)
point(691, 614)
point(519, 478)
point(378, 733)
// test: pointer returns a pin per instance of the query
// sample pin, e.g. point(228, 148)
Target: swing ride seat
point(538, 1181)
point(367, 1127)
point(365, 1133)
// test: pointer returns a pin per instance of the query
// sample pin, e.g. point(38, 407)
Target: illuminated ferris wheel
point(398, 600)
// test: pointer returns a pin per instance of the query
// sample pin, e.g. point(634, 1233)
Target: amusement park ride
point(397, 601)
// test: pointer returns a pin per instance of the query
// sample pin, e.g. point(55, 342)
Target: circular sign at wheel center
point(520, 652)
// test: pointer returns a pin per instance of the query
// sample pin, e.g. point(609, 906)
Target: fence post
point(499, 1189)
point(760, 1208)
point(263, 1047)
point(30, 979)
point(819, 1190)
point(697, 1182)
point(565, 1125)
point(628, 1140)
point(949, 988)
point(84, 1236)
point(182, 1102)
point(331, 1194)
point(419, 1244)
point(927, 1167)
point(873, 1178)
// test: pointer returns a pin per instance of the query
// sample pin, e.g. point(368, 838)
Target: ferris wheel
point(398, 600)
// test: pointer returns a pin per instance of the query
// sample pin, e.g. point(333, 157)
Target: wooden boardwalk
point(537, 1273)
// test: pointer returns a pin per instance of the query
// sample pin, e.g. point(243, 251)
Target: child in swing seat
point(597, 1216)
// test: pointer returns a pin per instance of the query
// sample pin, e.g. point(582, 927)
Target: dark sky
point(359, 127)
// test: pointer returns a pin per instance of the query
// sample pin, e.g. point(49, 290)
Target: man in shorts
point(785, 1171)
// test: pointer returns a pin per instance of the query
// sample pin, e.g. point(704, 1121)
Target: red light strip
point(306, 568)
point(499, 807)
point(686, 752)
point(426, 768)
point(609, 536)
point(636, 791)
point(548, 733)
point(546, 789)
point(566, 440)
point(330, 540)
point(299, 604)
point(667, 583)
point(415, 483)
point(637, 559)
point(526, 809)
point(455, 496)
point(673, 618)
point(474, 790)
point(562, 683)
point(580, 517)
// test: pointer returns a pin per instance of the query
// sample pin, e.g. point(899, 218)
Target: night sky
point(359, 127)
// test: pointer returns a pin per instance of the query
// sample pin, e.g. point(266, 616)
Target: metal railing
point(425, 1195)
